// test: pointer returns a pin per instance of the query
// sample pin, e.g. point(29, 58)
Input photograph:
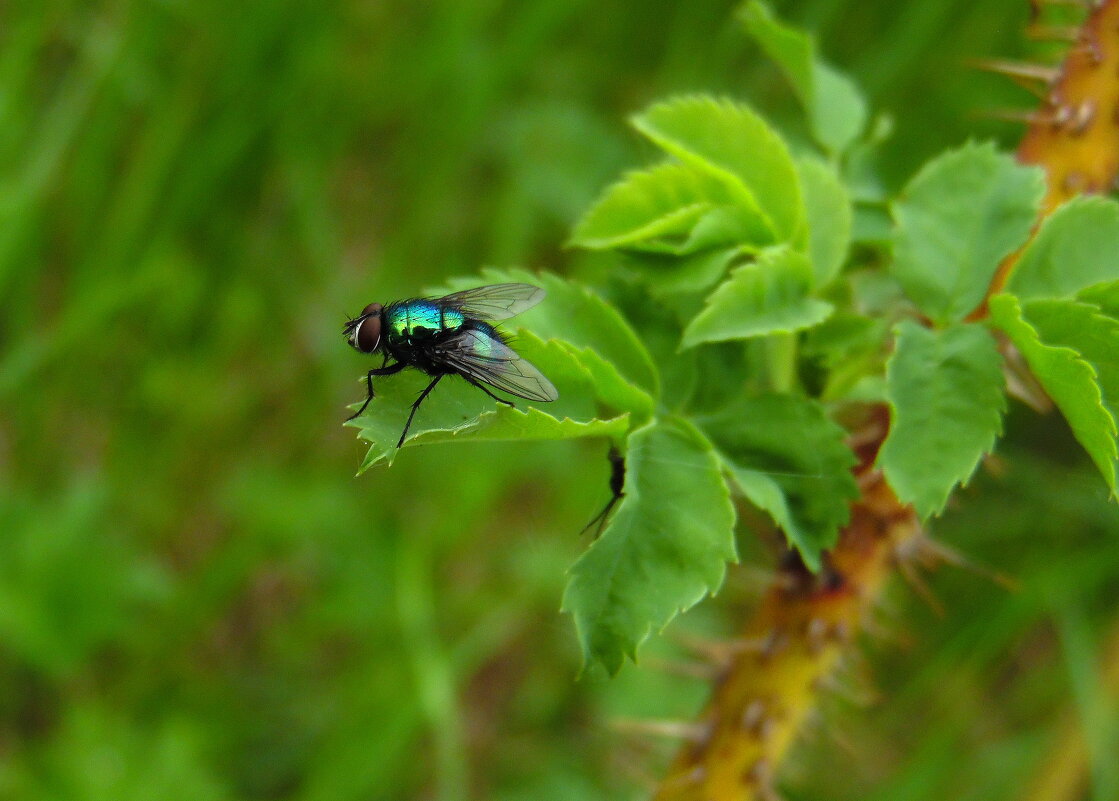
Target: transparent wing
point(495, 302)
point(480, 357)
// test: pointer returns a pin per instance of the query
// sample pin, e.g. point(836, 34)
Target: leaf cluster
point(751, 316)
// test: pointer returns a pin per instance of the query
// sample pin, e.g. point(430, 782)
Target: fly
point(451, 335)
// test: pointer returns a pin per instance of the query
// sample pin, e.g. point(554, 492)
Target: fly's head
point(364, 331)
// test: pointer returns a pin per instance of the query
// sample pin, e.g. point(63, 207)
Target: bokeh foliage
point(197, 600)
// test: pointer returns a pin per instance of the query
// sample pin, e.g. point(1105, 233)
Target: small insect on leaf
point(451, 335)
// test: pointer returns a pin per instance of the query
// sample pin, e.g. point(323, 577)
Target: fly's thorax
point(413, 322)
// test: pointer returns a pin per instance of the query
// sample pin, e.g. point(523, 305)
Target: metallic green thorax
point(413, 322)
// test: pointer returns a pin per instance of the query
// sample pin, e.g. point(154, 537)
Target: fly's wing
point(480, 357)
point(494, 302)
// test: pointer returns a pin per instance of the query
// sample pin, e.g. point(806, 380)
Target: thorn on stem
point(676, 729)
point(1021, 70)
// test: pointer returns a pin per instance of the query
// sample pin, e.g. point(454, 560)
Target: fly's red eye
point(368, 334)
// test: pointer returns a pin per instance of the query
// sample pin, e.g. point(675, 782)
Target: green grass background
point(199, 601)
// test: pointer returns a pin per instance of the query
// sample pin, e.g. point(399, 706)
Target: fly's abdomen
point(416, 322)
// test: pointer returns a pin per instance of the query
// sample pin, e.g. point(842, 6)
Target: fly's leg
point(482, 387)
point(617, 484)
point(415, 406)
point(382, 370)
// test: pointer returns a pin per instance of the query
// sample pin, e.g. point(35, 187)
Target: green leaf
point(500, 424)
point(659, 207)
point(956, 220)
point(852, 348)
point(1105, 296)
point(724, 373)
point(727, 140)
point(842, 335)
point(458, 412)
point(664, 549)
point(790, 460)
point(1076, 247)
point(726, 226)
point(828, 211)
point(945, 389)
point(579, 317)
point(1086, 330)
point(609, 386)
point(872, 225)
point(1071, 382)
point(765, 297)
point(665, 200)
point(836, 110)
point(670, 276)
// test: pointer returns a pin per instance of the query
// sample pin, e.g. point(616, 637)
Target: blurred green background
point(199, 601)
